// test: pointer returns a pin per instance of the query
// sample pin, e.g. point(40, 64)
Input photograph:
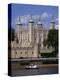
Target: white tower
point(17, 31)
point(40, 38)
point(31, 24)
point(40, 23)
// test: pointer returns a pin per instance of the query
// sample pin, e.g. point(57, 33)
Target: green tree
point(53, 38)
point(53, 41)
point(45, 42)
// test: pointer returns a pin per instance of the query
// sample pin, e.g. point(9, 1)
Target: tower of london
point(28, 41)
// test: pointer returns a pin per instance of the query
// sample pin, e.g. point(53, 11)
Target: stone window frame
point(20, 52)
point(16, 52)
point(32, 52)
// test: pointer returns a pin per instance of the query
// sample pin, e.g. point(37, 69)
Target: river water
point(40, 71)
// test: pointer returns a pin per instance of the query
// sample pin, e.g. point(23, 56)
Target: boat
point(32, 66)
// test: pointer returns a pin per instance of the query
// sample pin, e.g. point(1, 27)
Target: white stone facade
point(28, 40)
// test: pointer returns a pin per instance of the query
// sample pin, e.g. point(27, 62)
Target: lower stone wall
point(19, 53)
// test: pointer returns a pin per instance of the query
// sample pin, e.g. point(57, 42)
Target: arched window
point(21, 52)
point(28, 37)
point(32, 52)
point(17, 40)
point(16, 52)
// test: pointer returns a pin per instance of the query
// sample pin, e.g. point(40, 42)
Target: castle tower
point(40, 39)
point(39, 22)
point(17, 31)
point(52, 23)
point(31, 24)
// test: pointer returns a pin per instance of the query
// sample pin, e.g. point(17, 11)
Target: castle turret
point(31, 24)
point(40, 23)
point(40, 27)
point(52, 23)
point(17, 31)
point(18, 23)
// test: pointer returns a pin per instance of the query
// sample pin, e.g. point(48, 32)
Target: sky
point(25, 11)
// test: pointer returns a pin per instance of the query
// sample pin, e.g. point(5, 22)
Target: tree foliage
point(53, 38)
point(45, 42)
point(52, 41)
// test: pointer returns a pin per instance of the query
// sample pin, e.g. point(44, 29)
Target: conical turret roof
point(39, 21)
point(31, 20)
point(19, 21)
point(52, 19)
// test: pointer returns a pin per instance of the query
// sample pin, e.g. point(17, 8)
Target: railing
point(35, 59)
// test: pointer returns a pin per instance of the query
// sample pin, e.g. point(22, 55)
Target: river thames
point(41, 71)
